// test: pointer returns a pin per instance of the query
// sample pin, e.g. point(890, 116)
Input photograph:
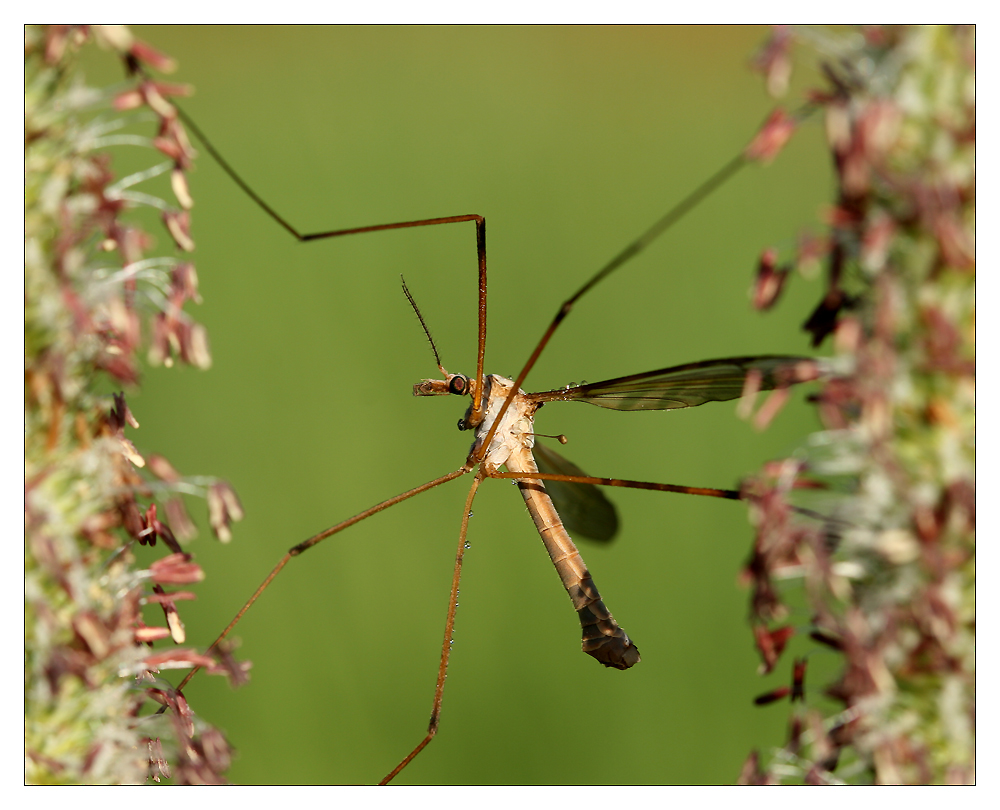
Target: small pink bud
point(799, 680)
point(770, 644)
point(774, 62)
point(129, 451)
point(156, 101)
point(223, 508)
point(176, 569)
point(751, 387)
point(772, 696)
point(184, 283)
point(128, 100)
point(178, 182)
point(194, 345)
point(179, 225)
point(145, 635)
point(158, 765)
point(771, 408)
point(770, 281)
point(162, 468)
point(771, 138)
point(152, 57)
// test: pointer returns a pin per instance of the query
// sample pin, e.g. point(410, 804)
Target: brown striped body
point(511, 445)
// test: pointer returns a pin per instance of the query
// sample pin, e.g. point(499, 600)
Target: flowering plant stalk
point(885, 579)
point(92, 300)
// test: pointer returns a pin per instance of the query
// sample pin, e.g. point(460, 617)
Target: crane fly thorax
point(515, 431)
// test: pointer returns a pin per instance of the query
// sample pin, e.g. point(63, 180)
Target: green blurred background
point(570, 141)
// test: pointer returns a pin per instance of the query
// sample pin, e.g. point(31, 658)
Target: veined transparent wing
point(582, 507)
point(691, 384)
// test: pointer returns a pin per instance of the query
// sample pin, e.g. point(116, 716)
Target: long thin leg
point(449, 627)
point(478, 404)
point(477, 412)
point(305, 545)
point(665, 222)
point(633, 249)
point(729, 494)
point(291, 229)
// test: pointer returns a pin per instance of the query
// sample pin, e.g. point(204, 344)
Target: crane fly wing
point(582, 507)
point(689, 385)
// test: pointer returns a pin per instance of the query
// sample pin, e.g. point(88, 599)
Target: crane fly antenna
point(423, 323)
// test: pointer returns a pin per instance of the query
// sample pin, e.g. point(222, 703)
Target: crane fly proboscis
point(315, 351)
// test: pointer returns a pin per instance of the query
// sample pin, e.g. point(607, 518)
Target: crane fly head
point(451, 384)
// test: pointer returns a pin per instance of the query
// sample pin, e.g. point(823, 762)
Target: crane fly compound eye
point(459, 384)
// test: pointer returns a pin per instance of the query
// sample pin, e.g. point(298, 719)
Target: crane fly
point(502, 418)
point(551, 466)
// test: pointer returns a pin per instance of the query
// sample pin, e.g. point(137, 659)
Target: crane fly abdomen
point(613, 650)
point(511, 445)
point(603, 637)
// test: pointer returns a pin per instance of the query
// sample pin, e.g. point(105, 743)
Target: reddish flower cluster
point(885, 553)
point(84, 493)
